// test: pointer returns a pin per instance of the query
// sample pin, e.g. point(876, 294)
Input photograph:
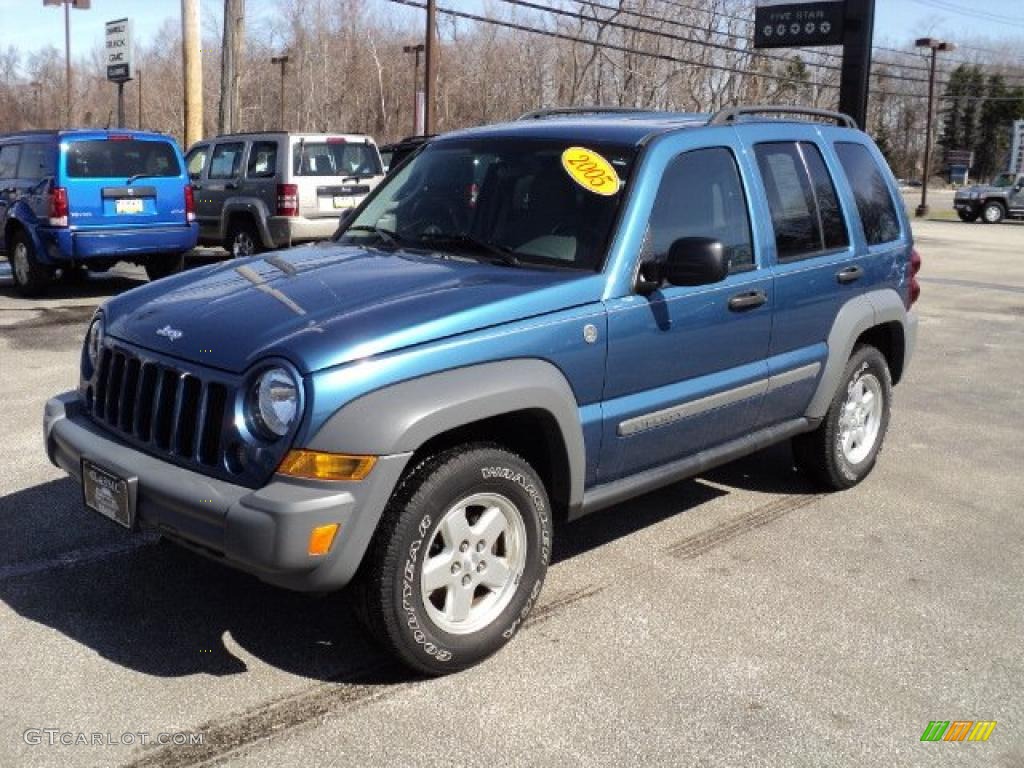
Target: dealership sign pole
point(792, 23)
point(119, 60)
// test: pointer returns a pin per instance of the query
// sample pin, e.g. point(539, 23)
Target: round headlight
point(276, 402)
point(94, 341)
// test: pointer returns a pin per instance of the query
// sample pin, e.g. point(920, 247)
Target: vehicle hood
point(985, 189)
point(328, 304)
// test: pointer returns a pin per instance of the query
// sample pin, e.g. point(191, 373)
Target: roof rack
point(731, 114)
point(541, 114)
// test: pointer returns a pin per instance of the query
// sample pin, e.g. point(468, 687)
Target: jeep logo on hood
point(173, 334)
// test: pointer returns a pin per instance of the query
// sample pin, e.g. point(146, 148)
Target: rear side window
point(701, 195)
point(262, 160)
point(874, 201)
point(37, 161)
point(9, 161)
point(805, 208)
point(226, 161)
point(335, 158)
point(121, 159)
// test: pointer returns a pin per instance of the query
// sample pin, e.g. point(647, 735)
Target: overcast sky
point(27, 25)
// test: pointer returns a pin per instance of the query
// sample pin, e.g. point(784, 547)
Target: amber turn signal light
point(317, 465)
point(321, 538)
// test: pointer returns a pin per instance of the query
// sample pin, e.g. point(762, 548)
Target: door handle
point(744, 301)
point(849, 275)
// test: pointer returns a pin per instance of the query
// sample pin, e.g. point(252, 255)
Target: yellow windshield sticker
point(590, 171)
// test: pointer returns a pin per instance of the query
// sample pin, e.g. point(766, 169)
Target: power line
point(972, 13)
point(673, 59)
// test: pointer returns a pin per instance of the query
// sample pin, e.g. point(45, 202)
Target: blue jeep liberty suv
point(524, 322)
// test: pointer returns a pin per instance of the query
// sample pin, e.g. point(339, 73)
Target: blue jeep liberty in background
point(525, 322)
point(90, 198)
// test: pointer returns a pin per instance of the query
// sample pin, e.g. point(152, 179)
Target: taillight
point(287, 200)
point(59, 207)
point(190, 204)
point(915, 267)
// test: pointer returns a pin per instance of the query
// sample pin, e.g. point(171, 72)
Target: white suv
point(258, 191)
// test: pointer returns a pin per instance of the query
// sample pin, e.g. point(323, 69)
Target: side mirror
point(691, 261)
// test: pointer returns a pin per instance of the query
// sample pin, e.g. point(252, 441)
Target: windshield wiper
point(392, 238)
point(502, 254)
point(137, 176)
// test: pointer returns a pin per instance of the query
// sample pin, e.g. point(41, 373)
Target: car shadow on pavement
point(768, 471)
point(158, 609)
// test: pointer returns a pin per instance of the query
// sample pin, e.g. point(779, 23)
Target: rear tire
point(164, 265)
point(993, 213)
point(30, 277)
point(458, 559)
point(842, 450)
point(967, 216)
point(243, 239)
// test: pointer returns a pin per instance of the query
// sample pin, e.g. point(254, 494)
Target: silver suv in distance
point(259, 191)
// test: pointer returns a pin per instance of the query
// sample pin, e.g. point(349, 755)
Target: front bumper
point(963, 205)
point(96, 244)
point(264, 532)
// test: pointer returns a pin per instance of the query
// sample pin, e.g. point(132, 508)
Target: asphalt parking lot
point(738, 619)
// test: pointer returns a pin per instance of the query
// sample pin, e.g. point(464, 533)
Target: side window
point(9, 161)
point(803, 201)
point(701, 195)
point(874, 201)
point(226, 161)
point(196, 161)
point(37, 161)
point(262, 160)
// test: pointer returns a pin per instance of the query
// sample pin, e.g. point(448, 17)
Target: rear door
point(333, 173)
point(123, 182)
point(818, 265)
point(223, 178)
point(262, 170)
point(196, 164)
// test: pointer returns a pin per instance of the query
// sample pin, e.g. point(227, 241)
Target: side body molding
point(402, 417)
point(856, 316)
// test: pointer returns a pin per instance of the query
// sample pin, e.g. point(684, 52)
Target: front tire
point(458, 559)
point(30, 277)
point(993, 213)
point(842, 450)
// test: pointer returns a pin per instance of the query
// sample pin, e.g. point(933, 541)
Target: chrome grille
point(163, 407)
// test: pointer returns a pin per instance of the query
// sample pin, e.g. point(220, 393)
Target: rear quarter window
point(874, 200)
point(120, 158)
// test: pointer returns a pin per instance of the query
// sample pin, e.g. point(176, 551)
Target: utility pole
point(83, 5)
point(430, 120)
point(417, 122)
point(282, 61)
point(138, 80)
point(191, 42)
point(229, 121)
point(936, 47)
point(855, 76)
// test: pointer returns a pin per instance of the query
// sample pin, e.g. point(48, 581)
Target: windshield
point(121, 158)
point(335, 157)
point(518, 201)
point(1005, 180)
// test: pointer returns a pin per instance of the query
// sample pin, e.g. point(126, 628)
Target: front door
point(222, 181)
point(686, 365)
